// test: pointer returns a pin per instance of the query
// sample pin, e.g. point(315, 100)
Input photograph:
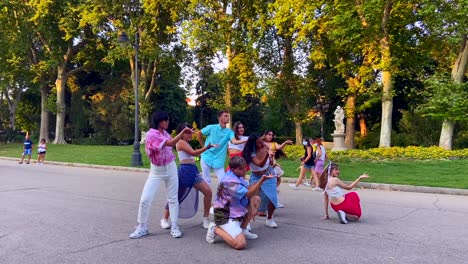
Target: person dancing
point(236, 203)
point(276, 151)
point(163, 169)
point(236, 149)
point(347, 206)
point(189, 177)
point(259, 158)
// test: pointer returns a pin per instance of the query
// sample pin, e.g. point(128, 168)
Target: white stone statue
point(339, 116)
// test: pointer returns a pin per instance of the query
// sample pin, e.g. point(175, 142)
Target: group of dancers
point(236, 200)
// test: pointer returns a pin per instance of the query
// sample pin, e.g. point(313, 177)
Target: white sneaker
point(206, 222)
point(175, 232)
point(306, 183)
point(342, 217)
point(279, 205)
point(249, 227)
point(210, 235)
point(271, 223)
point(317, 189)
point(165, 224)
point(293, 186)
point(249, 235)
point(139, 232)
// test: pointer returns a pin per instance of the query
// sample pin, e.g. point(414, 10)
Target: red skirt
point(247, 168)
point(351, 205)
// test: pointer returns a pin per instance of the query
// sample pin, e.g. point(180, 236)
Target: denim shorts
point(27, 152)
point(309, 167)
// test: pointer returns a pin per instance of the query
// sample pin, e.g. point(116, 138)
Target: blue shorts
point(309, 167)
point(27, 152)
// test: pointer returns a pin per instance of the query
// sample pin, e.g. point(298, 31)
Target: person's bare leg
point(315, 176)
point(271, 210)
point(166, 214)
point(237, 243)
point(207, 195)
point(254, 204)
point(301, 176)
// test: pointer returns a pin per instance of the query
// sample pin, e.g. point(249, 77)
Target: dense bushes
point(398, 153)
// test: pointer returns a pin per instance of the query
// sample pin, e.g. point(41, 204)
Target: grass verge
point(432, 173)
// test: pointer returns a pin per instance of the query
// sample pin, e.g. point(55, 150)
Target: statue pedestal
point(338, 142)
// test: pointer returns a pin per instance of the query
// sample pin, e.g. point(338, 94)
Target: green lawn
point(435, 173)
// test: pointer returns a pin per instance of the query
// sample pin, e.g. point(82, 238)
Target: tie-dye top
point(232, 193)
point(159, 154)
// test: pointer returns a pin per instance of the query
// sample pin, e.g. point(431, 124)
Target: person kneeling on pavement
point(236, 203)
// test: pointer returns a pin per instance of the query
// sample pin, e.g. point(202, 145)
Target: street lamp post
point(202, 84)
point(136, 155)
point(322, 107)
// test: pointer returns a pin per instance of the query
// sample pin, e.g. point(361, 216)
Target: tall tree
point(446, 23)
point(68, 41)
point(225, 28)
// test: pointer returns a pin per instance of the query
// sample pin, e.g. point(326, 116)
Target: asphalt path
point(60, 214)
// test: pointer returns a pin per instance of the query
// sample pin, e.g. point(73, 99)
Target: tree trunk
point(350, 121)
point(362, 125)
point(387, 90)
point(387, 108)
point(446, 134)
point(44, 130)
point(458, 73)
point(298, 127)
point(60, 123)
point(12, 106)
point(228, 99)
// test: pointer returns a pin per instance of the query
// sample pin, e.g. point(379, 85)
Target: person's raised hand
point(187, 130)
point(364, 176)
point(268, 176)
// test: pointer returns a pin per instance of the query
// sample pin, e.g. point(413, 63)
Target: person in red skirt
point(347, 206)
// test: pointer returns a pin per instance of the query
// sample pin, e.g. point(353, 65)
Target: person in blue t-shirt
point(27, 149)
point(214, 158)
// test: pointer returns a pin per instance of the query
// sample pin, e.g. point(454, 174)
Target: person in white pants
point(220, 135)
point(163, 169)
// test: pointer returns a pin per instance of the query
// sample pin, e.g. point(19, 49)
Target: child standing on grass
point(235, 205)
point(27, 149)
point(41, 151)
point(347, 206)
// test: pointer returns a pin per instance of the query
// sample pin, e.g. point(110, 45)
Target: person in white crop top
point(189, 177)
point(347, 206)
point(236, 149)
point(41, 151)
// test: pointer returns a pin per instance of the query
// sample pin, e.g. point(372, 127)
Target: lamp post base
point(136, 156)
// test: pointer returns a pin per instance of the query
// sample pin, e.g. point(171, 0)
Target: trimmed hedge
point(392, 153)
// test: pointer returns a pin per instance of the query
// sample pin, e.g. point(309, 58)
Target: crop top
point(255, 168)
point(335, 192)
point(184, 155)
point(238, 146)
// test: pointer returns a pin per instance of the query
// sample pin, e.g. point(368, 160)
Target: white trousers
point(158, 174)
point(206, 171)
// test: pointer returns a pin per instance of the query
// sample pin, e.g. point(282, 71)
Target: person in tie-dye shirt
point(163, 170)
point(235, 205)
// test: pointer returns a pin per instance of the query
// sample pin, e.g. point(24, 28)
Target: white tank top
point(255, 168)
point(185, 156)
point(238, 146)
